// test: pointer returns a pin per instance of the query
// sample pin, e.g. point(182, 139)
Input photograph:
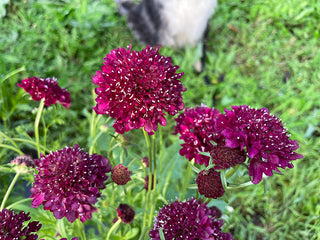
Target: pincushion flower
point(68, 182)
point(225, 157)
point(120, 174)
point(262, 136)
point(125, 213)
point(47, 89)
point(190, 219)
point(137, 88)
point(13, 225)
point(196, 127)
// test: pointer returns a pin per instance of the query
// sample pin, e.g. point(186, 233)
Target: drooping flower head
point(48, 89)
point(120, 174)
point(13, 226)
point(68, 182)
point(209, 183)
point(125, 212)
point(137, 88)
point(190, 219)
point(196, 127)
point(261, 135)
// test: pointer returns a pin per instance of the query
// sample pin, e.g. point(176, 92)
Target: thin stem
point(9, 190)
point(19, 202)
point(36, 125)
point(32, 142)
point(154, 176)
point(9, 139)
point(81, 230)
point(186, 182)
point(117, 223)
point(12, 148)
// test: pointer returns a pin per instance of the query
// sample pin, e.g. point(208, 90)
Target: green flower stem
point(185, 183)
point(9, 139)
point(154, 187)
point(114, 226)
point(240, 185)
point(36, 125)
point(80, 230)
point(19, 202)
point(12, 148)
point(32, 142)
point(9, 190)
point(150, 181)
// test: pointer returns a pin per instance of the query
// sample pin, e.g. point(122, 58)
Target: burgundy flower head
point(196, 127)
point(224, 157)
point(120, 174)
point(48, 89)
point(191, 220)
point(137, 88)
point(209, 183)
point(263, 137)
point(68, 182)
point(126, 213)
point(13, 226)
point(24, 160)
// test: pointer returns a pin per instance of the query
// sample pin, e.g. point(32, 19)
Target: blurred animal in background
point(173, 23)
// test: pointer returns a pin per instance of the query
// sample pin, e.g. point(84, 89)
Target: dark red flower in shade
point(137, 88)
point(190, 219)
point(145, 161)
point(224, 157)
point(48, 89)
point(262, 135)
point(68, 182)
point(13, 226)
point(126, 213)
point(196, 127)
point(120, 174)
point(209, 183)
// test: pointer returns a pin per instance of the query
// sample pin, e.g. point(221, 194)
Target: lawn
point(260, 53)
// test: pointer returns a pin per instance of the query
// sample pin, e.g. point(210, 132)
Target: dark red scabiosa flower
point(191, 220)
point(224, 157)
point(48, 89)
point(68, 182)
point(125, 212)
point(120, 174)
point(13, 226)
point(196, 127)
point(209, 183)
point(262, 135)
point(137, 88)
point(145, 161)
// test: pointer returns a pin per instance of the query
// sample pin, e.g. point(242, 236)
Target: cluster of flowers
point(231, 138)
point(137, 89)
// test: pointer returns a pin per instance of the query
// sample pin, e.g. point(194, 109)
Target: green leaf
point(161, 234)
point(132, 233)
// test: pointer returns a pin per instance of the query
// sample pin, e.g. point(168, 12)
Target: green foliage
point(260, 53)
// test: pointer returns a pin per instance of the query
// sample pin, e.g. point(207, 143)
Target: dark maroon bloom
point(263, 137)
point(137, 88)
point(196, 127)
point(224, 157)
point(145, 161)
point(126, 213)
point(209, 183)
point(13, 226)
point(68, 182)
point(48, 89)
point(191, 220)
point(25, 160)
point(120, 174)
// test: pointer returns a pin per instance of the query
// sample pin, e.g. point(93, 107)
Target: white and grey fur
point(174, 23)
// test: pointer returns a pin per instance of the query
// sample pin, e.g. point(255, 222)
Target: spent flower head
point(47, 89)
point(196, 127)
point(190, 219)
point(13, 226)
point(120, 174)
point(68, 182)
point(263, 137)
point(209, 183)
point(137, 88)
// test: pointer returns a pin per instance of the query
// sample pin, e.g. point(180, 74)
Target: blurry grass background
point(260, 53)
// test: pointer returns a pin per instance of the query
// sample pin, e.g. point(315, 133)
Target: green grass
point(267, 52)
